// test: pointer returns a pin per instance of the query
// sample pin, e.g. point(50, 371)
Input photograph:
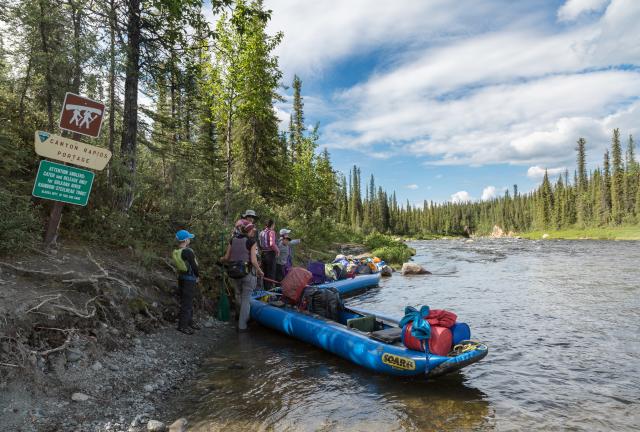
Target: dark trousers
point(269, 267)
point(186, 290)
point(279, 272)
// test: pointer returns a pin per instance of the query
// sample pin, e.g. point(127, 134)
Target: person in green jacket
point(188, 276)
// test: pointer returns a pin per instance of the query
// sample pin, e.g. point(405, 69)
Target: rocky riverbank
point(88, 341)
point(122, 390)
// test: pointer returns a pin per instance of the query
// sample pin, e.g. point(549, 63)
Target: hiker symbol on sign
point(81, 115)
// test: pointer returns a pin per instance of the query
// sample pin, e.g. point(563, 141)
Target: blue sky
point(445, 100)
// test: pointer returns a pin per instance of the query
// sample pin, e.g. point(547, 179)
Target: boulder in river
point(413, 268)
point(386, 271)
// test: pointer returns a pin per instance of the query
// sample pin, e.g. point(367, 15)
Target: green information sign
point(64, 183)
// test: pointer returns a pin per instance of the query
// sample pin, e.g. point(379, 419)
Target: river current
point(561, 319)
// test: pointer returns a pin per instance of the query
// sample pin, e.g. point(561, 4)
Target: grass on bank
point(388, 249)
point(603, 233)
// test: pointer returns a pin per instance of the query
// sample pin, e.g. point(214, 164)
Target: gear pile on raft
point(425, 342)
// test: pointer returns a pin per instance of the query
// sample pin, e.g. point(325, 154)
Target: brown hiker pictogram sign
point(81, 115)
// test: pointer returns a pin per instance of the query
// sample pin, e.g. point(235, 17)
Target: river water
point(561, 319)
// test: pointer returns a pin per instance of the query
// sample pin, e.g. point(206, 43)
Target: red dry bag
point(440, 342)
point(294, 283)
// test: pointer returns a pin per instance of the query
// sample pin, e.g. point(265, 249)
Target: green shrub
point(18, 224)
point(376, 240)
point(394, 254)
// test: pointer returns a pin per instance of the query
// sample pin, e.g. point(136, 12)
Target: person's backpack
point(265, 239)
point(181, 265)
point(325, 302)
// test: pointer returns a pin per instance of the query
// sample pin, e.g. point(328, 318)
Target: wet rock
point(179, 425)
point(411, 268)
point(156, 426)
point(79, 397)
point(386, 271)
point(113, 367)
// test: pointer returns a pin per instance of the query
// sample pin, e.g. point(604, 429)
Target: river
point(561, 319)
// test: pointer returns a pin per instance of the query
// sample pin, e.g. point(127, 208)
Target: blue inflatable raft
point(351, 286)
point(365, 338)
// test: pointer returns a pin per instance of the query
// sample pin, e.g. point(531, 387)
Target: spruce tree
point(617, 181)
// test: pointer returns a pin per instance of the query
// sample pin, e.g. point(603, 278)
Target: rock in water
point(79, 397)
point(386, 271)
point(155, 426)
point(179, 425)
point(413, 268)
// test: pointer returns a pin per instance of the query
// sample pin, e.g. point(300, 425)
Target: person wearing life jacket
point(268, 252)
point(242, 268)
point(283, 260)
point(188, 276)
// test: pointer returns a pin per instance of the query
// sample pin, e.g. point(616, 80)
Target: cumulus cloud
point(572, 9)
point(412, 186)
point(537, 173)
point(461, 197)
point(488, 193)
point(511, 96)
point(517, 90)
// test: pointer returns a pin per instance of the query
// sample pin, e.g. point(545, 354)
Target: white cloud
point(461, 197)
point(412, 186)
point(537, 173)
point(318, 34)
point(488, 193)
point(514, 89)
point(574, 8)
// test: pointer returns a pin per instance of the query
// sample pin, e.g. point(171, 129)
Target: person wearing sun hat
point(188, 275)
point(248, 217)
point(283, 260)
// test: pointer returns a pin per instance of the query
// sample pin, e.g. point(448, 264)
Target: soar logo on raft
point(398, 362)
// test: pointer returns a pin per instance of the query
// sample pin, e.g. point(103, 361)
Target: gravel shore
point(117, 392)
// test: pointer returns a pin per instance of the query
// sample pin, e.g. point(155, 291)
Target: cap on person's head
point(249, 213)
point(284, 232)
point(183, 235)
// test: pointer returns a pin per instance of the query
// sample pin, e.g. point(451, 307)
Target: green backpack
point(181, 265)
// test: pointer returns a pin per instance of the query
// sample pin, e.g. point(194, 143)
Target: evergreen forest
point(196, 139)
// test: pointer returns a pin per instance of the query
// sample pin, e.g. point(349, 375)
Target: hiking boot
point(185, 330)
point(195, 326)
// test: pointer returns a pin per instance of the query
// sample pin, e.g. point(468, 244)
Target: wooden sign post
point(82, 116)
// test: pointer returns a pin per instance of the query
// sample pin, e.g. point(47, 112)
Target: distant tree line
point(606, 196)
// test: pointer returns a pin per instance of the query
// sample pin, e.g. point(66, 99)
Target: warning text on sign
point(63, 183)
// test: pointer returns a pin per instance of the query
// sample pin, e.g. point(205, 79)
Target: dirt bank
point(87, 341)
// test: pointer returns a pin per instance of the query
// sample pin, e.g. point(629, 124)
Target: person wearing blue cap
point(187, 267)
